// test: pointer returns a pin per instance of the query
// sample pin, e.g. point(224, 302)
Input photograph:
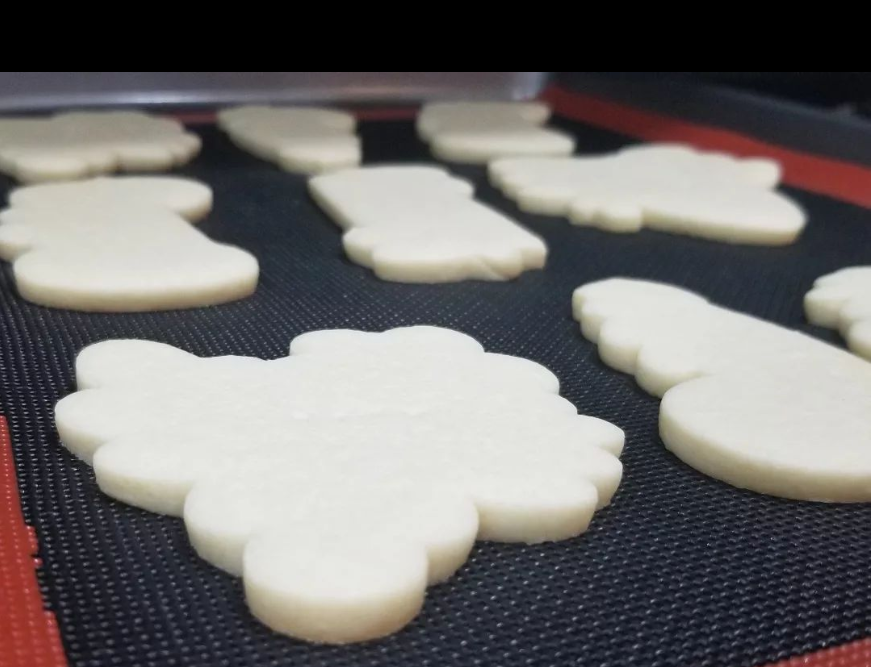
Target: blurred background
point(847, 93)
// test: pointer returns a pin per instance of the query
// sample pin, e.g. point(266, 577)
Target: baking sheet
point(680, 570)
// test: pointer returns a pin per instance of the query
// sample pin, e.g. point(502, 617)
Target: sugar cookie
point(419, 224)
point(661, 186)
point(305, 140)
point(743, 400)
point(478, 132)
point(842, 300)
point(88, 143)
point(120, 244)
point(342, 480)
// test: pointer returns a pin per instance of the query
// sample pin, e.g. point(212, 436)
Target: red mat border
point(29, 635)
point(853, 654)
point(848, 181)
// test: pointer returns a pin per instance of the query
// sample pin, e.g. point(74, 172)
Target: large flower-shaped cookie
point(343, 479)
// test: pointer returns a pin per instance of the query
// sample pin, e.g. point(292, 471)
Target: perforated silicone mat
point(680, 571)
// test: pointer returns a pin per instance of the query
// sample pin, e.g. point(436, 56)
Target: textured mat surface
point(680, 571)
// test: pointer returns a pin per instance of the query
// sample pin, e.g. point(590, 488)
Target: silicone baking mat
point(680, 571)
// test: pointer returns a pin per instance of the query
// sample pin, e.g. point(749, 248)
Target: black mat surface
point(680, 571)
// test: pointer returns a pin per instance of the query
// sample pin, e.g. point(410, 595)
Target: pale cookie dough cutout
point(477, 132)
point(743, 400)
point(842, 300)
point(120, 244)
point(304, 140)
point(419, 224)
point(81, 144)
point(341, 481)
point(661, 186)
